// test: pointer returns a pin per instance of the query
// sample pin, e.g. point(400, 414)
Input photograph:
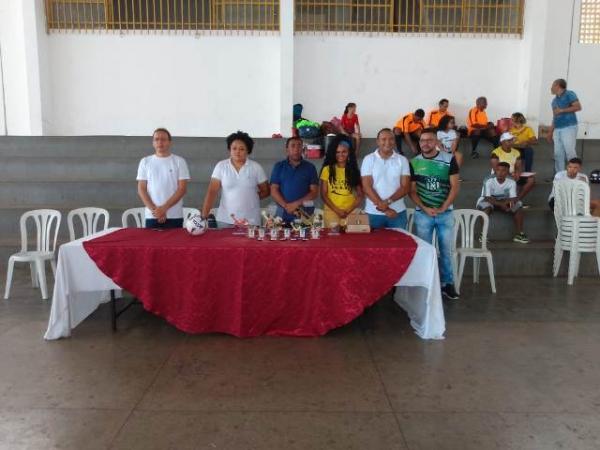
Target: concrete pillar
point(22, 43)
point(286, 84)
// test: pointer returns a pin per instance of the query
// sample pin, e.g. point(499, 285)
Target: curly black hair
point(240, 136)
point(444, 121)
point(352, 170)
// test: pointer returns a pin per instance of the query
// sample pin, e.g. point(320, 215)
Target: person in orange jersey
point(408, 129)
point(480, 127)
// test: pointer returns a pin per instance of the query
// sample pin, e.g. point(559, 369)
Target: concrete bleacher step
point(69, 172)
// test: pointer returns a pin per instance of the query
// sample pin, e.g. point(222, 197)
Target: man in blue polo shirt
point(564, 124)
point(294, 182)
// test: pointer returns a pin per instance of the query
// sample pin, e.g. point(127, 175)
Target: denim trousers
point(443, 224)
point(383, 221)
point(564, 146)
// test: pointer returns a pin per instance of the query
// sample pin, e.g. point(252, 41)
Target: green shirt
point(432, 176)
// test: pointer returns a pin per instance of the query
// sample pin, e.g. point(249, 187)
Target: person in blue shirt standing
point(294, 182)
point(564, 124)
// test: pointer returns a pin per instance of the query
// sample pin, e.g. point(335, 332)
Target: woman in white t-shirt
point(242, 183)
point(449, 138)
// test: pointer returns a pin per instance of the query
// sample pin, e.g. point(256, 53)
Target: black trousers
point(400, 140)
point(487, 134)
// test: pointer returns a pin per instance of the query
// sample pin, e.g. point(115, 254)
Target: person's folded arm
point(367, 185)
point(144, 196)
point(178, 195)
point(403, 190)
point(454, 188)
point(263, 190)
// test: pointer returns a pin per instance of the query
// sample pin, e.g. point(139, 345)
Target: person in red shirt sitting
point(480, 127)
point(351, 126)
point(409, 129)
point(436, 115)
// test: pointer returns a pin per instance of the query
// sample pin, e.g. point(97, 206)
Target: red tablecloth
point(219, 282)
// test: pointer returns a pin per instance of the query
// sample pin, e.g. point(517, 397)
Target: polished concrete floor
point(519, 370)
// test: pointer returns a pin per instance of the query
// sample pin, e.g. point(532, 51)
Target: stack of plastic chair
point(577, 231)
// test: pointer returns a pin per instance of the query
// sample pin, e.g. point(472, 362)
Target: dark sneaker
point(449, 292)
point(521, 238)
point(474, 155)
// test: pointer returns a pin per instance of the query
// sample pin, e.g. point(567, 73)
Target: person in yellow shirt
point(480, 127)
point(341, 189)
point(524, 139)
point(435, 115)
point(508, 154)
point(408, 129)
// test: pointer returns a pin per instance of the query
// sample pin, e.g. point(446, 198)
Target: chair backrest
point(47, 223)
point(410, 218)
point(189, 212)
point(571, 198)
point(138, 215)
point(90, 217)
point(465, 223)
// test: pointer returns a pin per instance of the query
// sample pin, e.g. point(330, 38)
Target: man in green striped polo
point(434, 186)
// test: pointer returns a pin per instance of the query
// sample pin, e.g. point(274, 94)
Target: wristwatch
point(389, 201)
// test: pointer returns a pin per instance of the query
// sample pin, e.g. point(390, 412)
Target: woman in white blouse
point(449, 138)
point(242, 182)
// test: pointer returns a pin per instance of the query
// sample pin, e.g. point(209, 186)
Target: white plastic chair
point(465, 221)
point(47, 223)
point(138, 215)
point(577, 231)
point(410, 218)
point(577, 235)
point(189, 212)
point(90, 218)
point(571, 198)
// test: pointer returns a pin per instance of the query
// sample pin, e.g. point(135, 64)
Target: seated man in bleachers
point(507, 153)
point(573, 172)
point(408, 129)
point(500, 194)
point(480, 127)
point(435, 115)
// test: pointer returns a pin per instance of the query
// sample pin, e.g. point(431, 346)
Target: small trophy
point(287, 234)
point(251, 232)
point(261, 234)
point(302, 234)
point(239, 225)
point(274, 234)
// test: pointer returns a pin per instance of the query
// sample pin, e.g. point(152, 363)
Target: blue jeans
point(443, 224)
point(527, 155)
point(170, 223)
point(564, 146)
point(383, 221)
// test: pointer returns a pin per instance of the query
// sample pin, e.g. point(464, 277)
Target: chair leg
point(558, 253)
point(53, 265)
point(476, 270)
point(41, 271)
point(461, 270)
point(577, 261)
point(490, 264)
point(34, 278)
point(572, 264)
point(9, 275)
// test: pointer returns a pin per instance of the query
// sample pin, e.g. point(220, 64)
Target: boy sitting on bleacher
point(499, 193)
point(508, 154)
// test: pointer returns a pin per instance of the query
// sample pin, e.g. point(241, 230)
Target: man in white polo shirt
point(162, 182)
point(385, 181)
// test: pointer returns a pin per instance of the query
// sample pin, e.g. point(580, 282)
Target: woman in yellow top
point(524, 139)
point(341, 190)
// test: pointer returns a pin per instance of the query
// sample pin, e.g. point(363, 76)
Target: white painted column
point(286, 84)
point(20, 38)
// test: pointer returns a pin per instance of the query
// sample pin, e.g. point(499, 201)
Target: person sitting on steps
point(408, 129)
point(479, 127)
point(499, 193)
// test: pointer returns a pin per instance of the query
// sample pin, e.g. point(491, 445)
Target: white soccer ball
point(196, 225)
